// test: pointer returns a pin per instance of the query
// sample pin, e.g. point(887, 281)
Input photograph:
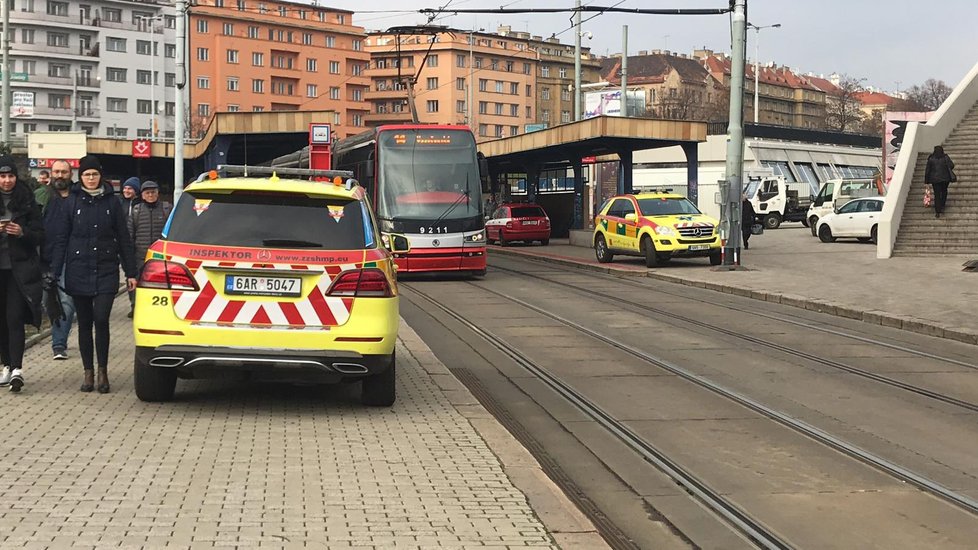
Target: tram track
point(794, 352)
point(623, 433)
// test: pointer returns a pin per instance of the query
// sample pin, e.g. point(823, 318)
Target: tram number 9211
point(433, 230)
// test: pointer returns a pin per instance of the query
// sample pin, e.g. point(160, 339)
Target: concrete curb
point(873, 317)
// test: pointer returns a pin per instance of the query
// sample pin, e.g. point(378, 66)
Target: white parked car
point(857, 218)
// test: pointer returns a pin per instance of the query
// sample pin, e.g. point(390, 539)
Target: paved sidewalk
point(239, 465)
point(929, 295)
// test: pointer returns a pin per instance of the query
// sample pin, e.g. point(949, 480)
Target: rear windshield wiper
point(291, 242)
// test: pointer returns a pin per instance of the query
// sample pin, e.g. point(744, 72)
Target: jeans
point(62, 327)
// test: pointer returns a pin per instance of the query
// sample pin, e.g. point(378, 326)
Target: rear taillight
point(509, 225)
point(546, 221)
point(361, 283)
point(168, 275)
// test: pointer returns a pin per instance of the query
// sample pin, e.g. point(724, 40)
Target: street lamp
point(470, 100)
point(149, 21)
point(757, 80)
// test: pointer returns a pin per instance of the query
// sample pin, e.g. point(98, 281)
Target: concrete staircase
point(956, 231)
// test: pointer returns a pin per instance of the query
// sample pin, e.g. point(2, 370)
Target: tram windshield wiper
point(462, 196)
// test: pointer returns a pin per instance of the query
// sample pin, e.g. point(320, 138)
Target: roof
point(776, 76)
point(825, 85)
point(653, 68)
point(875, 98)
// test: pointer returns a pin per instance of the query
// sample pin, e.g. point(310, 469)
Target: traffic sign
point(319, 134)
point(141, 149)
point(17, 77)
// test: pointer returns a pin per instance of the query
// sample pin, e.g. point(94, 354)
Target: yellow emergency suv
point(657, 226)
point(269, 277)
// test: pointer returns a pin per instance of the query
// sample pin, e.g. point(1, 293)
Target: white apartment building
point(98, 66)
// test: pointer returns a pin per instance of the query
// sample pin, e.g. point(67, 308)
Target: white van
point(835, 193)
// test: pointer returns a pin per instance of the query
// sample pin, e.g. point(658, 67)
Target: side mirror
point(631, 217)
point(368, 171)
point(397, 244)
point(483, 166)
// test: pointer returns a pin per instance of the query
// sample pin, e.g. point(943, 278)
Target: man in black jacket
point(147, 221)
point(747, 219)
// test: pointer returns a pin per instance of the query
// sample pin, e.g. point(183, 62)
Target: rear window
point(528, 212)
point(270, 220)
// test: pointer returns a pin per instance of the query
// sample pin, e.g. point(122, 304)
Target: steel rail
point(767, 343)
point(728, 511)
point(967, 503)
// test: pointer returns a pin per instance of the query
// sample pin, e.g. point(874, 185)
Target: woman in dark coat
point(91, 239)
point(938, 175)
point(21, 232)
point(748, 217)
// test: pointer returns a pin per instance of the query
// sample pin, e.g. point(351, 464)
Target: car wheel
point(648, 250)
point(872, 235)
point(545, 242)
point(805, 222)
point(378, 390)
point(825, 234)
point(772, 221)
point(716, 257)
point(502, 239)
point(153, 383)
point(601, 250)
point(813, 225)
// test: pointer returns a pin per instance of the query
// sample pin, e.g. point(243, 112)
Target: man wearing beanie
point(130, 195)
point(147, 222)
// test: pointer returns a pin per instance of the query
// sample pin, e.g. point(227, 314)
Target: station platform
point(230, 464)
point(928, 295)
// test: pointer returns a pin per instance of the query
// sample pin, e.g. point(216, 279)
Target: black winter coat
point(938, 169)
point(24, 260)
point(90, 238)
point(146, 227)
point(748, 216)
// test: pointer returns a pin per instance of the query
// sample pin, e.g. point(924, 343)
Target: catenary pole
point(5, 119)
point(624, 70)
point(735, 134)
point(181, 114)
point(577, 60)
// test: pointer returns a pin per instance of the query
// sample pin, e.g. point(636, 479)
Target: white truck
point(833, 194)
point(776, 200)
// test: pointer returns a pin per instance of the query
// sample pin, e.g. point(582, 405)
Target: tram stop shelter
point(603, 137)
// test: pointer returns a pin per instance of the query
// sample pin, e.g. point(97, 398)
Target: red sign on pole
point(320, 151)
point(141, 149)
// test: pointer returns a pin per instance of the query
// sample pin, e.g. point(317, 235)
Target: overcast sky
point(882, 41)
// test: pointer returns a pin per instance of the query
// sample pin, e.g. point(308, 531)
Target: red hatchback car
point(518, 222)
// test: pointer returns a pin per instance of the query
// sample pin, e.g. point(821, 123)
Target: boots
point(89, 383)
point(103, 381)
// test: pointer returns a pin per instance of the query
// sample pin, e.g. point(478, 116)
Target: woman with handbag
point(91, 238)
point(939, 174)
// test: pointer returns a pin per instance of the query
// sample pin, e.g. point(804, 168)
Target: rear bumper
point(264, 363)
point(421, 260)
point(530, 235)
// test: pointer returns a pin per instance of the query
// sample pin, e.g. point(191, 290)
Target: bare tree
point(872, 125)
point(931, 94)
point(842, 107)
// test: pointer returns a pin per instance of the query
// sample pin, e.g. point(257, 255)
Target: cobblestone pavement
point(238, 465)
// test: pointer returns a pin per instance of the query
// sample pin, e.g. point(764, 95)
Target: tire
point(153, 384)
point(825, 234)
point(716, 258)
point(813, 225)
point(873, 234)
point(601, 250)
point(379, 390)
point(648, 250)
point(805, 222)
point(772, 221)
point(544, 242)
point(502, 239)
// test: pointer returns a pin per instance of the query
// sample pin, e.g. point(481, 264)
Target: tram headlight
point(478, 237)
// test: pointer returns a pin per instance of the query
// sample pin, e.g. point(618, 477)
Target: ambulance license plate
point(262, 286)
point(699, 247)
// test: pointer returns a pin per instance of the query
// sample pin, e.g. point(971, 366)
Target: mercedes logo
point(264, 255)
point(697, 232)
point(436, 242)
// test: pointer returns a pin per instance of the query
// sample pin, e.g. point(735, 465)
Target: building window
point(526, 68)
point(494, 64)
point(334, 92)
point(483, 130)
point(57, 8)
point(357, 94)
point(203, 109)
point(432, 60)
point(460, 84)
point(170, 50)
point(233, 84)
point(529, 90)
point(545, 94)
point(499, 86)
point(321, 15)
point(58, 39)
point(460, 61)
point(228, 29)
point(330, 41)
point(283, 11)
point(357, 120)
point(483, 85)
point(58, 70)
point(545, 115)
point(29, 127)
point(529, 112)
point(432, 105)
point(29, 66)
point(144, 107)
point(114, 74)
point(302, 14)
point(514, 130)
point(143, 77)
point(113, 44)
point(27, 36)
point(311, 65)
point(170, 80)
point(144, 47)
point(483, 107)
point(307, 38)
point(257, 108)
point(357, 45)
point(545, 71)
point(112, 15)
point(514, 88)
point(334, 67)
point(170, 21)
point(253, 31)
point(232, 108)
point(499, 109)
point(311, 90)
point(563, 72)
point(201, 25)
point(514, 110)
point(59, 101)
point(241, 5)
point(170, 109)
point(233, 56)
point(357, 69)
point(565, 116)
point(432, 83)
point(116, 104)
point(258, 86)
point(499, 130)
point(258, 59)
point(460, 106)
point(565, 95)
point(203, 54)
point(203, 82)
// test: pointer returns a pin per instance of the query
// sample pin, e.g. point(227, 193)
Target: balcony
point(382, 72)
point(385, 94)
point(376, 119)
point(87, 113)
point(53, 112)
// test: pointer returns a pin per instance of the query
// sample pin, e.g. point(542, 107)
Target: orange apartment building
point(500, 70)
point(274, 55)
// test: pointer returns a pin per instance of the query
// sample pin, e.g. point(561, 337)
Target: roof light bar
point(232, 170)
